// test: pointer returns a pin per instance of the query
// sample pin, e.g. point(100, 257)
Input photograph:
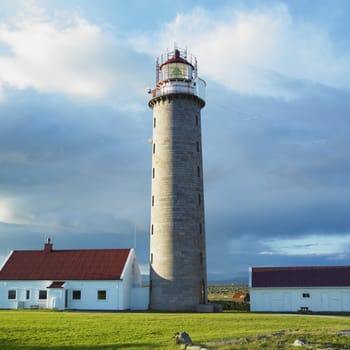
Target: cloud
point(311, 245)
point(263, 51)
point(63, 53)
point(6, 209)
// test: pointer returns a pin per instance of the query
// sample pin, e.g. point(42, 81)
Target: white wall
point(135, 297)
point(21, 287)
point(115, 299)
point(336, 299)
point(89, 290)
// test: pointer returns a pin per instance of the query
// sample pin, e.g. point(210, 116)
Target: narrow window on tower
point(201, 258)
point(197, 120)
point(151, 258)
point(153, 173)
point(152, 201)
point(152, 229)
point(197, 145)
point(154, 148)
point(200, 229)
point(154, 122)
point(199, 200)
point(203, 292)
point(198, 171)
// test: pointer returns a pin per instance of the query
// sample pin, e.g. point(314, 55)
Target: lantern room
point(176, 73)
point(175, 67)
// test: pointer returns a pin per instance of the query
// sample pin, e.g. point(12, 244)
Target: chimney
point(48, 246)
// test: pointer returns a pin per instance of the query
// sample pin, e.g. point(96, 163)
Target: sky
point(75, 161)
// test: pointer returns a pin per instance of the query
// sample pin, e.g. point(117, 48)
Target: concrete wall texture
point(177, 237)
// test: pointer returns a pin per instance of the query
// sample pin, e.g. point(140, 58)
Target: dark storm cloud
point(277, 162)
point(51, 143)
point(81, 169)
point(275, 169)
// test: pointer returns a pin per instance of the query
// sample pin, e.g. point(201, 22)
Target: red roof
point(61, 265)
point(56, 284)
point(176, 59)
point(303, 276)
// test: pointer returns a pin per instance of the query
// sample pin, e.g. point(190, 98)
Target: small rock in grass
point(299, 342)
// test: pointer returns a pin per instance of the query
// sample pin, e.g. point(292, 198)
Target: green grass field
point(34, 329)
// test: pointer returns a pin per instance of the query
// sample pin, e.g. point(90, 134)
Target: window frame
point(41, 293)
point(12, 294)
point(75, 291)
point(101, 294)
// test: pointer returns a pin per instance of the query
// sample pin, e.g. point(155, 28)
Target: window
point(200, 229)
point(199, 200)
point(197, 146)
point(201, 258)
point(154, 122)
point(152, 201)
point(101, 295)
point(152, 229)
point(151, 258)
point(198, 171)
point(11, 294)
point(197, 120)
point(203, 293)
point(27, 294)
point(153, 173)
point(306, 295)
point(42, 294)
point(154, 148)
point(76, 294)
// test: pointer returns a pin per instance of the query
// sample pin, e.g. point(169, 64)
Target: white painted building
point(90, 279)
point(293, 289)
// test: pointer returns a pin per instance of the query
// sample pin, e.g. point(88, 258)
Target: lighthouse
point(178, 278)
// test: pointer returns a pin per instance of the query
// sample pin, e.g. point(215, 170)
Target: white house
point(89, 279)
point(292, 289)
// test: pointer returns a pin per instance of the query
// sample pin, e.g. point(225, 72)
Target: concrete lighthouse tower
point(178, 279)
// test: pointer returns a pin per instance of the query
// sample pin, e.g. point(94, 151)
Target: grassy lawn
point(34, 329)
